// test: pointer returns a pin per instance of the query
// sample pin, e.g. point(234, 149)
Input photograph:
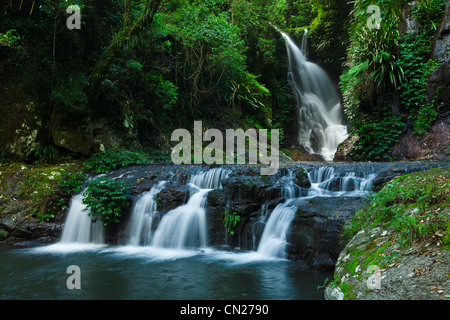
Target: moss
point(446, 239)
point(354, 267)
point(37, 186)
point(370, 245)
point(347, 290)
point(415, 205)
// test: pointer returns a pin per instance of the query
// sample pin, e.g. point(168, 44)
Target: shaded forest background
point(137, 70)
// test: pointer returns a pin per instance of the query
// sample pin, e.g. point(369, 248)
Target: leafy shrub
point(415, 49)
point(73, 181)
point(42, 154)
point(113, 159)
point(106, 199)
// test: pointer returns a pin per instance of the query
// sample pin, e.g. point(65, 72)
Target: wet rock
point(172, 197)
point(73, 138)
point(22, 130)
point(316, 230)
point(345, 149)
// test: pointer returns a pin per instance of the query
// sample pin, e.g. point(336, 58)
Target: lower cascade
point(185, 226)
point(79, 228)
point(273, 240)
point(143, 215)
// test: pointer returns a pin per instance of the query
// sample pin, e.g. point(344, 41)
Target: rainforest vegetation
point(137, 70)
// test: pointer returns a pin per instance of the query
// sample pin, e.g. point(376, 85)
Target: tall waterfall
point(319, 112)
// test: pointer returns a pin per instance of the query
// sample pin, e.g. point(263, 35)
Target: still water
point(127, 272)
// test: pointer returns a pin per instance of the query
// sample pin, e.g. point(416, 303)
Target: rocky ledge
point(314, 237)
point(415, 273)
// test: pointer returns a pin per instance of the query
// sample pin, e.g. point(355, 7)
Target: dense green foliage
point(137, 70)
point(386, 74)
point(376, 137)
point(415, 51)
point(113, 159)
point(140, 76)
point(106, 199)
point(414, 205)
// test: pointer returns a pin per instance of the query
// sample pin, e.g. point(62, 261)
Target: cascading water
point(143, 216)
point(185, 226)
point(320, 127)
point(273, 240)
point(325, 181)
point(79, 228)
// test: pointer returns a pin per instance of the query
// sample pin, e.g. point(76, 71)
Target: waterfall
point(325, 181)
point(185, 226)
point(274, 238)
point(79, 228)
point(319, 112)
point(142, 216)
point(304, 45)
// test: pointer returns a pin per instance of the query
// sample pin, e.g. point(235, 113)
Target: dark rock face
point(315, 233)
point(432, 146)
point(25, 230)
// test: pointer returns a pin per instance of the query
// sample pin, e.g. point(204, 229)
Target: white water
point(325, 181)
point(79, 228)
point(142, 217)
point(274, 238)
point(183, 230)
point(185, 227)
point(320, 127)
